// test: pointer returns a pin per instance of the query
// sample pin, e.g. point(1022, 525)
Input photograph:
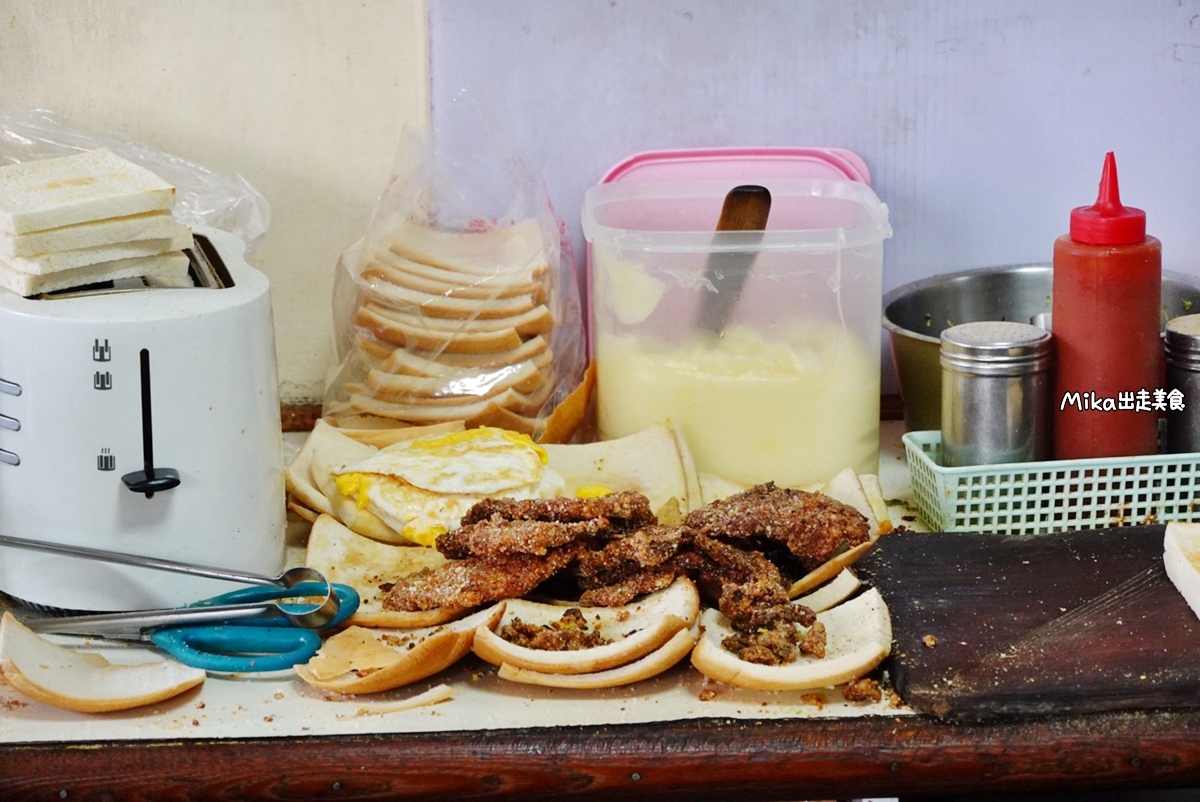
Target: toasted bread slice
point(82, 681)
point(361, 660)
point(858, 638)
point(634, 630)
point(651, 665)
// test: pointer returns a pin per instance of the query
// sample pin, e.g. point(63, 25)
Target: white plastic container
point(788, 391)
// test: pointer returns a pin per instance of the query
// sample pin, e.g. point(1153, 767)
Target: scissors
point(244, 630)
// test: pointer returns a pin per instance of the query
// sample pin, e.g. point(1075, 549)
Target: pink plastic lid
point(740, 164)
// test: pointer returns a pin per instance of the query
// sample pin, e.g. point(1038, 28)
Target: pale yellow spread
point(794, 409)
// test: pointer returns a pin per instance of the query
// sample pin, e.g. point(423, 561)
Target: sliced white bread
point(1181, 558)
point(59, 261)
point(94, 185)
point(84, 681)
point(148, 225)
point(360, 660)
point(164, 270)
point(858, 637)
point(634, 630)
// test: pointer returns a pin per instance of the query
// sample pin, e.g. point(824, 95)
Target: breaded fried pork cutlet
point(813, 526)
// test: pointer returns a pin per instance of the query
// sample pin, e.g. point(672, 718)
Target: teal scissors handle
point(266, 643)
point(237, 648)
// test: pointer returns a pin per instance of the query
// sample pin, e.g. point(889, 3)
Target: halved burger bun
point(858, 637)
point(651, 665)
point(367, 565)
point(828, 570)
point(634, 630)
point(833, 593)
point(82, 681)
point(361, 660)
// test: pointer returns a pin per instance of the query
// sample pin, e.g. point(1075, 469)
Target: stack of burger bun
point(453, 325)
point(93, 217)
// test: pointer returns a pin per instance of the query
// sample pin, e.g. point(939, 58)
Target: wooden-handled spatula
point(746, 208)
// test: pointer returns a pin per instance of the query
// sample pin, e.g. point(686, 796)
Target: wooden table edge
point(693, 760)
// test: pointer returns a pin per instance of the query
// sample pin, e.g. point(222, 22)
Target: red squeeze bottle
point(1105, 305)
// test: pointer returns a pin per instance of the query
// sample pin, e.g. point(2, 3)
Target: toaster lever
point(149, 480)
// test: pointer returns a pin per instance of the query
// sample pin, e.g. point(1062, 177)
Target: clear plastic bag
point(460, 302)
point(203, 196)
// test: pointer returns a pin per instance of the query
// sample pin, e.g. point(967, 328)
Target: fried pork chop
point(812, 526)
point(472, 582)
point(625, 511)
point(496, 537)
point(505, 548)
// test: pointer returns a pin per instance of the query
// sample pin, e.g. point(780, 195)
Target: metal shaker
point(996, 386)
point(1181, 348)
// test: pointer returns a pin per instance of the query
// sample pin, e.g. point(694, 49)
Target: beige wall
point(305, 98)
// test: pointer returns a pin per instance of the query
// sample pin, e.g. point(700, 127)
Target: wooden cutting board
point(987, 626)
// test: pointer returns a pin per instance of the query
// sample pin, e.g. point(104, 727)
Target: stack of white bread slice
point(91, 217)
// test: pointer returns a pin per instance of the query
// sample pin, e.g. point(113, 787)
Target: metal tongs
point(220, 632)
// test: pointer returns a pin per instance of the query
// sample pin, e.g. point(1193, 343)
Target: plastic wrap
point(460, 302)
point(203, 196)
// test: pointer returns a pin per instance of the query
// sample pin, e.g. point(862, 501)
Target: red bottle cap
point(1108, 222)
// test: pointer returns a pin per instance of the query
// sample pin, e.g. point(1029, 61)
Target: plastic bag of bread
point(460, 302)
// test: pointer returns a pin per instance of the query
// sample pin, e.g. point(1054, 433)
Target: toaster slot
point(10, 423)
point(9, 458)
point(207, 268)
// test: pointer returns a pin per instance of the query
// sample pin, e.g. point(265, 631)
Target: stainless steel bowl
point(916, 314)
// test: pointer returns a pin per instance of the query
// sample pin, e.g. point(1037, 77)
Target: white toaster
point(141, 420)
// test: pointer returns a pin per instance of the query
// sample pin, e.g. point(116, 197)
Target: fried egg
point(422, 488)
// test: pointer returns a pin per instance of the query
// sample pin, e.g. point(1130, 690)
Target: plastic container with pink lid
point(785, 387)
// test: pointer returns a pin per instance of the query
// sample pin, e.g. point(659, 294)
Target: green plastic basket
point(1054, 496)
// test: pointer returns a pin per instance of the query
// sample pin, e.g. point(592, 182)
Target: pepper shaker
point(1182, 350)
point(995, 393)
